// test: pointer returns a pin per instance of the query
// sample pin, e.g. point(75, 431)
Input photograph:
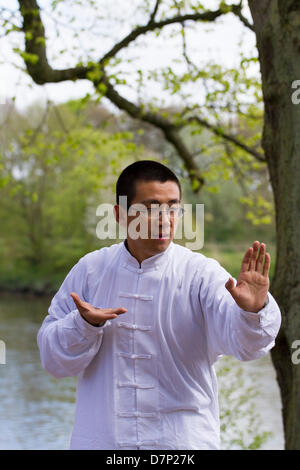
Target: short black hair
point(142, 170)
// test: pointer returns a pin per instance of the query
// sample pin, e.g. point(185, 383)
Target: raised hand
point(93, 315)
point(253, 282)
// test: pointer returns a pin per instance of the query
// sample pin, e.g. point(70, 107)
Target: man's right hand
point(95, 316)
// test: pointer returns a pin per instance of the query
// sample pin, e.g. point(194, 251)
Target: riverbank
point(42, 283)
point(30, 283)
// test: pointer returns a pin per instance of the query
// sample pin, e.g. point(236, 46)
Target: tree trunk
point(277, 29)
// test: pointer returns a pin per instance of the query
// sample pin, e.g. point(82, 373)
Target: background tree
point(54, 176)
point(226, 93)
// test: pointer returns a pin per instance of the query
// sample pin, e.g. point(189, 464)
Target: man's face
point(160, 228)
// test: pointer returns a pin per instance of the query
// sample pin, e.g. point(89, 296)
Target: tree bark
point(277, 29)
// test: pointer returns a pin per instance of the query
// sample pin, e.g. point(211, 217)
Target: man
point(142, 322)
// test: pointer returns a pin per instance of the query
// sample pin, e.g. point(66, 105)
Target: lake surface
point(37, 410)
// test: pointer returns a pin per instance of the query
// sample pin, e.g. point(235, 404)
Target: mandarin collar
point(152, 263)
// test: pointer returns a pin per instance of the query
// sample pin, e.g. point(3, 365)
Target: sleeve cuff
point(85, 328)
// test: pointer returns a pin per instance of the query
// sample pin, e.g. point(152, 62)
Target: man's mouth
point(163, 236)
point(160, 235)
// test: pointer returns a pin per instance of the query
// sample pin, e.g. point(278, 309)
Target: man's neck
point(139, 258)
point(126, 244)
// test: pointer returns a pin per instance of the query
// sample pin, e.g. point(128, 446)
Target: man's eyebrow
point(155, 201)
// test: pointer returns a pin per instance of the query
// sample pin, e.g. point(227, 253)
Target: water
point(37, 410)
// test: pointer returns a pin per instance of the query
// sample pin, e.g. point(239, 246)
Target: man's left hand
point(252, 285)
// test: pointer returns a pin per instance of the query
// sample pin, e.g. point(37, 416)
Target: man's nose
point(164, 220)
point(164, 215)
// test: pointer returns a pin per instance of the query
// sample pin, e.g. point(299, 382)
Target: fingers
point(260, 257)
point(267, 265)
point(117, 311)
point(121, 310)
point(76, 298)
point(229, 284)
point(108, 313)
point(246, 260)
point(112, 313)
point(257, 264)
point(252, 262)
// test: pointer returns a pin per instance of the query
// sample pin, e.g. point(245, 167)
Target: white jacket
point(146, 379)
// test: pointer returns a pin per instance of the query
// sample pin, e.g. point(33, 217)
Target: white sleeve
point(66, 341)
point(230, 330)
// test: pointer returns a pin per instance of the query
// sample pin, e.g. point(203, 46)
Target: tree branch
point(41, 72)
point(35, 40)
point(220, 133)
point(170, 131)
point(241, 177)
point(153, 14)
point(35, 45)
point(238, 12)
point(151, 26)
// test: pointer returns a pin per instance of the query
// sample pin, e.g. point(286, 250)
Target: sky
point(219, 43)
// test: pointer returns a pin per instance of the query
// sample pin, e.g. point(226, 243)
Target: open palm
point(94, 315)
point(253, 282)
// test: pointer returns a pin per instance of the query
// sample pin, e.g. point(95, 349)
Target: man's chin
point(154, 245)
point(160, 242)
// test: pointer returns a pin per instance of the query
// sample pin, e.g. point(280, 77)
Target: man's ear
point(116, 212)
point(120, 215)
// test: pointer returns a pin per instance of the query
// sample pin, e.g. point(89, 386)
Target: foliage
point(53, 179)
point(214, 110)
point(183, 92)
point(58, 164)
point(240, 423)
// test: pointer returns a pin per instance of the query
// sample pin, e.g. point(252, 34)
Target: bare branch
point(238, 12)
point(178, 19)
point(153, 14)
point(190, 65)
